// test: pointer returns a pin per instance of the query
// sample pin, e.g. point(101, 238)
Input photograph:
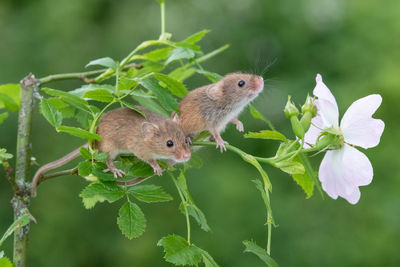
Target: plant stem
point(21, 199)
point(269, 222)
point(162, 5)
point(184, 203)
point(57, 174)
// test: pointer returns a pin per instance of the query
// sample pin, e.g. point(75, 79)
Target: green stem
point(184, 203)
point(162, 5)
point(269, 222)
point(21, 199)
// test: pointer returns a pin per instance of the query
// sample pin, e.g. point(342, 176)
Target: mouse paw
point(158, 170)
point(239, 124)
point(117, 172)
point(221, 145)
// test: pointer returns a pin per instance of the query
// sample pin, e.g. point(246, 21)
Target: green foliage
point(105, 62)
point(3, 116)
point(5, 262)
point(101, 95)
point(257, 115)
point(78, 132)
point(52, 115)
point(10, 96)
point(176, 87)
point(20, 222)
point(266, 134)
point(252, 247)
point(149, 193)
point(166, 100)
point(131, 220)
point(4, 155)
point(100, 192)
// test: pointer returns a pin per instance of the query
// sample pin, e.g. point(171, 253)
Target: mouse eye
point(241, 83)
point(170, 143)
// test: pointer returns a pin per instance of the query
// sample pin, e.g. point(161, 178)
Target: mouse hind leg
point(111, 168)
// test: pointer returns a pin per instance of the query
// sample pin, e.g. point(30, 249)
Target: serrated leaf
point(5, 262)
point(129, 105)
point(266, 134)
point(101, 95)
point(13, 91)
point(194, 162)
point(176, 87)
point(78, 132)
point(53, 116)
point(81, 91)
point(84, 119)
point(7, 102)
point(141, 169)
point(3, 116)
point(182, 73)
point(290, 166)
point(105, 62)
point(260, 252)
point(84, 168)
point(180, 53)
point(208, 260)
point(149, 193)
point(66, 110)
point(100, 156)
point(179, 252)
point(69, 98)
point(85, 153)
point(194, 38)
point(212, 76)
point(101, 175)
point(257, 115)
point(20, 222)
point(131, 220)
point(166, 100)
point(100, 192)
point(158, 54)
point(304, 180)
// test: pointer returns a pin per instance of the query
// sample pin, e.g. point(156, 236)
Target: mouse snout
point(259, 82)
point(183, 155)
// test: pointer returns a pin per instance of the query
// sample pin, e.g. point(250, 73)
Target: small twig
point(81, 75)
point(9, 174)
point(57, 174)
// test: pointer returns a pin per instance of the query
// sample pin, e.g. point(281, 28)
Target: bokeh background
point(355, 45)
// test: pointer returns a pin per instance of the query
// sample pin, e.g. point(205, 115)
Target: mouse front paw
point(239, 124)
point(117, 172)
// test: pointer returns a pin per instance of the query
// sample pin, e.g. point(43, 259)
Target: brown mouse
point(124, 130)
point(213, 106)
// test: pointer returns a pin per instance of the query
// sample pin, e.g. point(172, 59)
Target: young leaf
point(84, 168)
point(78, 132)
point(266, 134)
point(264, 196)
point(182, 73)
point(85, 153)
point(250, 159)
point(98, 171)
point(212, 76)
point(304, 180)
point(5, 262)
point(53, 116)
point(175, 86)
point(141, 169)
point(69, 98)
point(257, 115)
point(101, 95)
point(180, 53)
point(80, 92)
point(3, 116)
point(208, 260)
point(166, 100)
point(129, 105)
point(100, 192)
point(260, 252)
point(20, 222)
point(149, 193)
point(8, 102)
point(12, 91)
point(4, 155)
point(158, 54)
point(194, 38)
point(131, 220)
point(105, 62)
point(66, 110)
point(85, 119)
point(179, 252)
point(290, 166)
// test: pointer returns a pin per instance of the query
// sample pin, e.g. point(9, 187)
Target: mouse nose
point(183, 156)
point(260, 83)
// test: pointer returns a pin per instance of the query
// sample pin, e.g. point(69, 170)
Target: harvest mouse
point(211, 107)
point(124, 130)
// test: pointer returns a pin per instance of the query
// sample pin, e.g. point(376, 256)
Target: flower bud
point(309, 107)
point(297, 127)
point(290, 109)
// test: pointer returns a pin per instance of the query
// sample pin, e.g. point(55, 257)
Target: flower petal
point(326, 103)
point(358, 126)
point(342, 171)
point(311, 136)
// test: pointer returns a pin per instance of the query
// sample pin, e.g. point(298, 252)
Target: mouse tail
point(37, 179)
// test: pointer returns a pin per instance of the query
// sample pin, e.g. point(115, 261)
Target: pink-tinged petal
point(342, 171)
point(326, 104)
point(311, 136)
point(358, 126)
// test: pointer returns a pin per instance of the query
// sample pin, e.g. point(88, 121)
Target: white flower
point(343, 170)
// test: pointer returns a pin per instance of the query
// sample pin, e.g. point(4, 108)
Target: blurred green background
point(355, 45)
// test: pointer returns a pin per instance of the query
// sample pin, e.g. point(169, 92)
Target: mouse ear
point(149, 129)
point(175, 117)
point(213, 91)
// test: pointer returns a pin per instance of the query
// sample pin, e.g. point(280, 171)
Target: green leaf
point(212, 76)
point(182, 73)
point(85, 153)
point(141, 169)
point(158, 54)
point(129, 105)
point(66, 110)
point(252, 247)
point(85, 119)
point(179, 252)
point(176, 87)
point(53, 116)
point(3, 116)
point(180, 53)
point(305, 180)
point(11, 90)
point(5, 262)
point(250, 159)
point(257, 115)
point(4, 155)
point(208, 260)
point(98, 171)
point(194, 38)
point(166, 100)
point(290, 166)
point(84, 168)
point(78, 132)
point(266, 134)
point(8, 102)
point(105, 62)
point(69, 98)
point(101, 95)
point(131, 220)
point(81, 91)
point(194, 162)
point(265, 197)
point(100, 192)
point(20, 222)
point(149, 193)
